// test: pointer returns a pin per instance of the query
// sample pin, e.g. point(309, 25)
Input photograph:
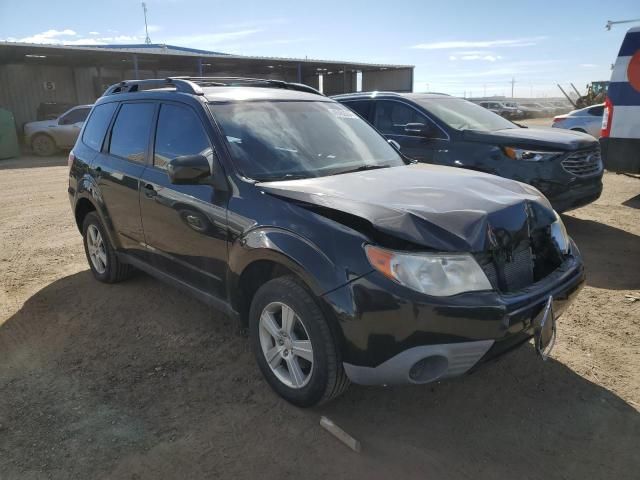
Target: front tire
point(43, 145)
point(102, 258)
point(293, 344)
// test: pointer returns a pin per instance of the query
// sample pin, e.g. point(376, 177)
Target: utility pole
point(513, 83)
point(147, 40)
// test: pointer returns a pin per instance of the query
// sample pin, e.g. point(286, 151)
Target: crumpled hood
point(443, 208)
point(544, 138)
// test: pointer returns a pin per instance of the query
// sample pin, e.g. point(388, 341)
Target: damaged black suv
point(287, 211)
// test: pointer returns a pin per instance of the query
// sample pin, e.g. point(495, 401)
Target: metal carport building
point(31, 74)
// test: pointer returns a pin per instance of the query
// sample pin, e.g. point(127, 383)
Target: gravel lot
point(136, 381)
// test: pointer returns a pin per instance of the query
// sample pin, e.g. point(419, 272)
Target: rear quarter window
point(96, 127)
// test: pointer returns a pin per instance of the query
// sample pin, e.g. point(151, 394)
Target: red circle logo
point(633, 71)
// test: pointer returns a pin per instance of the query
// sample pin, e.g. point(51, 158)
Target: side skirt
point(201, 295)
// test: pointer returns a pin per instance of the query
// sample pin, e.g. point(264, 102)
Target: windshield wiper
point(361, 168)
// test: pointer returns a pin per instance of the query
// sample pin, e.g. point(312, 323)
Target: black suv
point(290, 213)
point(435, 128)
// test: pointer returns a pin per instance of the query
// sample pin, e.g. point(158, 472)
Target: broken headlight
point(529, 155)
point(560, 235)
point(437, 274)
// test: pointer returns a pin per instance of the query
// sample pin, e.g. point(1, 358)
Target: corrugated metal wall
point(22, 88)
point(390, 80)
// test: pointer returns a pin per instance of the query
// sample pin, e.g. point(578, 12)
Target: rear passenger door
point(185, 226)
point(119, 168)
point(391, 117)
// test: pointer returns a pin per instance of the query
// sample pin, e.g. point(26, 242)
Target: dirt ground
point(135, 381)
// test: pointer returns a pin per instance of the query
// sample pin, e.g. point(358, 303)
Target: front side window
point(179, 133)
point(74, 116)
point(96, 128)
point(130, 133)
point(392, 117)
point(298, 139)
point(464, 115)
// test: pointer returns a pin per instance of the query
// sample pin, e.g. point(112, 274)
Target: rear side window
point(130, 132)
point(96, 127)
point(179, 133)
point(597, 111)
point(361, 107)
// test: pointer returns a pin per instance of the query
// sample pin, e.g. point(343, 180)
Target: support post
point(299, 73)
point(135, 67)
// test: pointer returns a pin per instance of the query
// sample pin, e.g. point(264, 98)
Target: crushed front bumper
point(392, 335)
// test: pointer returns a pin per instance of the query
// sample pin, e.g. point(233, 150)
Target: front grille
point(512, 273)
point(583, 163)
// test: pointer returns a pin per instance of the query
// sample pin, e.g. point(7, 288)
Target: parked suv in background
point(46, 137)
point(291, 214)
point(436, 128)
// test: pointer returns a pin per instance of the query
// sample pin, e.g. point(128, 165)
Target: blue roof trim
point(623, 94)
point(630, 44)
point(153, 45)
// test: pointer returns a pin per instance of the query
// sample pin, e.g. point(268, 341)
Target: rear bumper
point(392, 335)
point(621, 154)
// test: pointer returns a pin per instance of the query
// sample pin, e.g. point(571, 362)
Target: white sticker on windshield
point(343, 113)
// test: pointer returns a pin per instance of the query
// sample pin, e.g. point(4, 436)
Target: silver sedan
point(586, 120)
point(48, 136)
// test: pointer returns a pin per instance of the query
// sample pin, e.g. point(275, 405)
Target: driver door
point(391, 117)
point(185, 226)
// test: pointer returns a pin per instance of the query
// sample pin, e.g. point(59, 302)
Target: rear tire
point(287, 325)
point(43, 145)
point(103, 260)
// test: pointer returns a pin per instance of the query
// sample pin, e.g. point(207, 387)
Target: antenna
point(147, 40)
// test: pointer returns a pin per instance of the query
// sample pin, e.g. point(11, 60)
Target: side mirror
point(188, 169)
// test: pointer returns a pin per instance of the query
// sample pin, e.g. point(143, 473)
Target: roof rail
point(180, 84)
point(193, 85)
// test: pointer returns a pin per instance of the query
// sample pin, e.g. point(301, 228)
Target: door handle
point(149, 191)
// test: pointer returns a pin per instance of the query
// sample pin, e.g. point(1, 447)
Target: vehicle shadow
point(633, 202)
point(32, 161)
point(611, 255)
point(135, 380)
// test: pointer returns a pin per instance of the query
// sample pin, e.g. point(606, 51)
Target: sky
point(460, 48)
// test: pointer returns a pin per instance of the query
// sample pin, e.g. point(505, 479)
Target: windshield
point(296, 139)
point(463, 115)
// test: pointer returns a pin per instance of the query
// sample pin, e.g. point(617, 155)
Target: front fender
point(290, 250)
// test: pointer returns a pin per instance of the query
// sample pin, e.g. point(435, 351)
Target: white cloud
point(94, 33)
point(49, 36)
point(453, 58)
point(488, 58)
point(588, 65)
point(516, 42)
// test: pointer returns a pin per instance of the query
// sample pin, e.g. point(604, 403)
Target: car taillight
point(607, 118)
point(71, 159)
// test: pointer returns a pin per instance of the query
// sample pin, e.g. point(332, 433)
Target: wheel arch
point(264, 254)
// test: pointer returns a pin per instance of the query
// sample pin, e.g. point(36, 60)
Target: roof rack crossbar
point(193, 85)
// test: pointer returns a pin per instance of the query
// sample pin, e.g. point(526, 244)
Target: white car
point(46, 137)
point(586, 120)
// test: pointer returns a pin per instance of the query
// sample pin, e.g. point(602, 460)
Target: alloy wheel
point(97, 250)
point(286, 345)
